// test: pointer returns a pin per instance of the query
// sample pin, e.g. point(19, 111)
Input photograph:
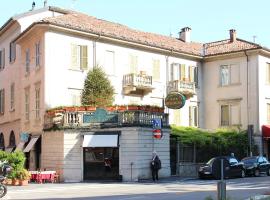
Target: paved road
point(168, 189)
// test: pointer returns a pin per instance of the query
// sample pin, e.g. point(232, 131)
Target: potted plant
point(23, 176)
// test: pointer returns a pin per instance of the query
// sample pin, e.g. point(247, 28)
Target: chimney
point(33, 5)
point(232, 35)
point(184, 34)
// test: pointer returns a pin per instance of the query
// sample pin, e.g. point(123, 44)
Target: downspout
point(95, 51)
point(247, 88)
point(250, 128)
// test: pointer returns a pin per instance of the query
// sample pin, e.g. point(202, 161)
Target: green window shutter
point(74, 56)
point(83, 57)
point(156, 70)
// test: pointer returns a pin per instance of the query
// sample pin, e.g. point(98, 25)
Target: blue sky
point(210, 20)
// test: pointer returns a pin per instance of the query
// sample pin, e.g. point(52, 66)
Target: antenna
point(33, 5)
point(254, 38)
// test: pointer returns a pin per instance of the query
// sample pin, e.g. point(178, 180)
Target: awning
point(31, 144)
point(100, 140)
point(20, 146)
point(266, 131)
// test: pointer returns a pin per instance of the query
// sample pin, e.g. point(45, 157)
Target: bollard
point(221, 185)
point(221, 188)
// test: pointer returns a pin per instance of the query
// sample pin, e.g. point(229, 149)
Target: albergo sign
point(175, 100)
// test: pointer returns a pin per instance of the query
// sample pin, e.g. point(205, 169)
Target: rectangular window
point(175, 72)
point(2, 59)
point(229, 74)
point(27, 103)
point(37, 100)
point(12, 52)
point(156, 70)
point(37, 45)
point(193, 75)
point(268, 113)
point(230, 114)
point(177, 117)
point(2, 101)
point(268, 73)
point(193, 116)
point(133, 62)
point(109, 62)
point(225, 115)
point(224, 75)
point(12, 96)
point(27, 61)
point(75, 96)
point(79, 57)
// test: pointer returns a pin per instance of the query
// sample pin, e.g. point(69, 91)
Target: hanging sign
point(175, 100)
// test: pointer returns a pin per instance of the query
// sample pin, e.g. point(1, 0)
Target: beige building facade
point(45, 55)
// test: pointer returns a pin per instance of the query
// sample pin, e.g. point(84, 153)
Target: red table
point(42, 176)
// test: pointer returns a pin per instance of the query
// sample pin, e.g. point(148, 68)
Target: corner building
point(45, 55)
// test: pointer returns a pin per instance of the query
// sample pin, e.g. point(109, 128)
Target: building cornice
point(103, 38)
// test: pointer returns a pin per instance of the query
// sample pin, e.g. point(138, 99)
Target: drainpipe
point(250, 127)
point(95, 51)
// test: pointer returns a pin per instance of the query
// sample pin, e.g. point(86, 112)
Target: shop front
point(101, 156)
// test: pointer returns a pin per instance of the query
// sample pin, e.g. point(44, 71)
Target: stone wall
point(189, 170)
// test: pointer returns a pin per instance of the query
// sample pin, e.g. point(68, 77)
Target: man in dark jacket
point(155, 166)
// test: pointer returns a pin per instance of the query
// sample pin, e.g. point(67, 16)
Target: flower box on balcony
point(90, 108)
point(133, 107)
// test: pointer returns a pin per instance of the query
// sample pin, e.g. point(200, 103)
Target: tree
point(98, 90)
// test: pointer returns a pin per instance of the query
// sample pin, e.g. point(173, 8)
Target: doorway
point(101, 163)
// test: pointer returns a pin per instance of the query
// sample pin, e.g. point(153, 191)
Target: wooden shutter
point(2, 59)
point(224, 115)
point(156, 70)
point(268, 73)
point(196, 74)
point(74, 56)
point(83, 57)
point(196, 116)
point(191, 73)
point(190, 115)
point(182, 72)
point(2, 101)
point(268, 113)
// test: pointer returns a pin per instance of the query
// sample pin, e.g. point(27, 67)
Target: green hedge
point(214, 143)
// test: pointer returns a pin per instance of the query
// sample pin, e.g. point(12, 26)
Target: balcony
point(66, 119)
point(137, 84)
point(187, 88)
